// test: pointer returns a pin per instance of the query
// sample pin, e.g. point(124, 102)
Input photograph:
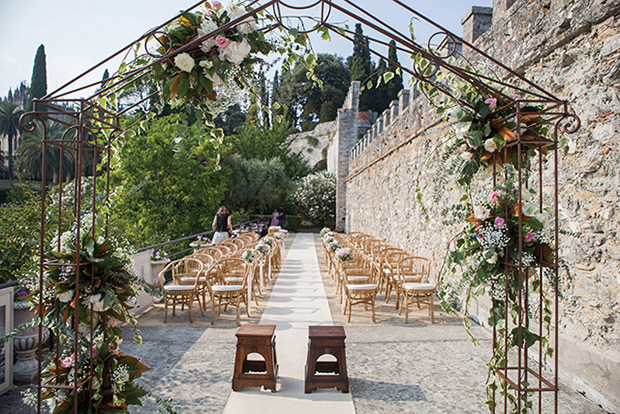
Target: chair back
point(185, 267)
point(207, 260)
point(233, 267)
point(240, 242)
point(232, 247)
point(213, 251)
point(253, 236)
point(357, 270)
point(416, 269)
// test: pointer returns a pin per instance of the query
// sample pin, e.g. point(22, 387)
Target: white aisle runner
point(297, 301)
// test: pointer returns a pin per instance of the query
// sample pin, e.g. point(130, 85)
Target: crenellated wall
point(572, 49)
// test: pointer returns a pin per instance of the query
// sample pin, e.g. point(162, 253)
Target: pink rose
point(480, 238)
point(68, 361)
point(217, 5)
point(528, 237)
point(494, 196)
point(221, 42)
point(492, 102)
point(499, 222)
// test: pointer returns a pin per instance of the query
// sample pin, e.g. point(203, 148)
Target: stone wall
point(572, 49)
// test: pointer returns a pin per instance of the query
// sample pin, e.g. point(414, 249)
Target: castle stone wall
point(572, 49)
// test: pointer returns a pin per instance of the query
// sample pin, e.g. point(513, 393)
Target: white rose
point(97, 302)
point(207, 26)
point(490, 145)
point(493, 259)
point(217, 81)
point(461, 128)
point(66, 296)
point(467, 156)
point(234, 11)
point(481, 212)
point(184, 62)
point(235, 52)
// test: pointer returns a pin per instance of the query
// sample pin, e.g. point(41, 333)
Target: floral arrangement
point(200, 242)
point(333, 245)
point(159, 255)
point(83, 286)
point(224, 58)
point(250, 255)
point(279, 235)
point(268, 240)
point(324, 231)
point(343, 254)
point(487, 254)
point(262, 248)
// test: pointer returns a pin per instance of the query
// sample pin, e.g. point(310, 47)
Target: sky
point(78, 34)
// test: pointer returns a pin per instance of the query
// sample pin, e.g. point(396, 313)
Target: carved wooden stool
point(326, 340)
point(258, 339)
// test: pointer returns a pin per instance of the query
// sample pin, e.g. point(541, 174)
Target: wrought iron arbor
point(90, 130)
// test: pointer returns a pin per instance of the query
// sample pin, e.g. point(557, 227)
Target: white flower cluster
point(493, 238)
point(120, 374)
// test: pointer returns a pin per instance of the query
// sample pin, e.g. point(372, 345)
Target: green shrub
point(312, 140)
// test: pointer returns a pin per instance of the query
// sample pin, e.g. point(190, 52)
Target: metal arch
point(78, 114)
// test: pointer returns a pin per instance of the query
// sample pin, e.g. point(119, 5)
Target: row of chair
point(220, 274)
point(377, 267)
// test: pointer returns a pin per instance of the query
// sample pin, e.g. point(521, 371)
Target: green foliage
point(315, 197)
point(362, 67)
point(312, 140)
point(166, 182)
point(20, 223)
point(306, 98)
point(256, 185)
point(293, 222)
point(230, 119)
point(38, 83)
point(266, 142)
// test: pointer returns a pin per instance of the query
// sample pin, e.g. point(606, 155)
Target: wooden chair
point(363, 287)
point(207, 262)
point(177, 292)
point(230, 286)
point(389, 271)
point(211, 251)
point(232, 247)
point(421, 291)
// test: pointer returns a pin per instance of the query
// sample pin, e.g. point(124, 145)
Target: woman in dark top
point(221, 225)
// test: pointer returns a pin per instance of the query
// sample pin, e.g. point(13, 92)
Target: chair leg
point(212, 310)
point(174, 306)
point(238, 311)
point(406, 308)
point(349, 301)
point(373, 308)
point(200, 306)
point(431, 308)
point(165, 309)
point(190, 305)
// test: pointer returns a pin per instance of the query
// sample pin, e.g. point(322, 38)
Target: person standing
point(222, 225)
point(274, 218)
point(281, 217)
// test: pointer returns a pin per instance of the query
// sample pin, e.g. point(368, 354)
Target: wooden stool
point(258, 339)
point(326, 340)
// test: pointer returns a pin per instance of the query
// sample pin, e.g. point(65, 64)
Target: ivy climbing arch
point(511, 121)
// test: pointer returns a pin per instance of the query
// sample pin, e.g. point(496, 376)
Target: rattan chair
point(421, 291)
point(389, 271)
point(230, 286)
point(177, 292)
point(361, 286)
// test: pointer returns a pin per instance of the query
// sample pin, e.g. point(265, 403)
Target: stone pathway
point(298, 300)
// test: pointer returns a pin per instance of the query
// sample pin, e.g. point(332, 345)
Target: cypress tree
point(38, 83)
point(361, 67)
point(396, 83)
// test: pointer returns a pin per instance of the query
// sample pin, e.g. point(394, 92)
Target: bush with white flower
point(316, 197)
